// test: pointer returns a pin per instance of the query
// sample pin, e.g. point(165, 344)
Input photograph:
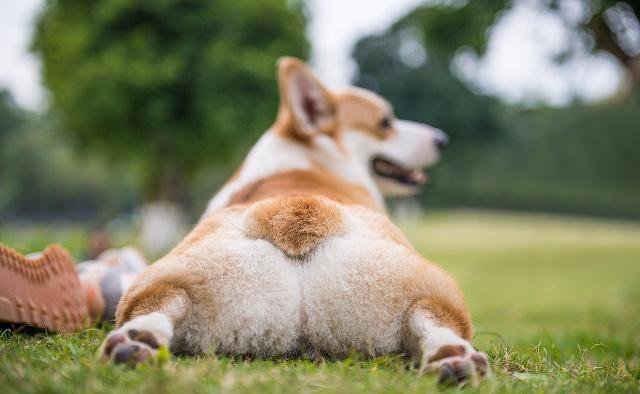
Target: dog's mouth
point(386, 168)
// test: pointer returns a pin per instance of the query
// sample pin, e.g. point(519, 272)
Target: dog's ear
point(308, 104)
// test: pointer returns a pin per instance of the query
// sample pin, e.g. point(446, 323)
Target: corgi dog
point(295, 256)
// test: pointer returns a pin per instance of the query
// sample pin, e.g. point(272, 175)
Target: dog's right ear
point(304, 100)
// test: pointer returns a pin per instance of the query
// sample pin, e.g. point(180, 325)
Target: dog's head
point(360, 123)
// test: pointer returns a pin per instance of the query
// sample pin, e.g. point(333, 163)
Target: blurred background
point(119, 119)
point(116, 115)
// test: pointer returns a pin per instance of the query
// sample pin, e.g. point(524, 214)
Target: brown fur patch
point(144, 337)
point(364, 111)
point(447, 314)
point(155, 298)
point(448, 351)
point(305, 182)
point(296, 225)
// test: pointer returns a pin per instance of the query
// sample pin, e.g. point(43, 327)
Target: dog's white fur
point(274, 153)
point(265, 303)
point(359, 288)
point(413, 146)
point(432, 336)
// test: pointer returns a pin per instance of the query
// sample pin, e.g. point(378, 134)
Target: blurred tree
point(11, 121)
point(414, 58)
point(410, 66)
point(612, 26)
point(42, 178)
point(11, 117)
point(172, 84)
point(575, 159)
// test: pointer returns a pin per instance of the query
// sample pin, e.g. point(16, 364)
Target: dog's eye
point(385, 123)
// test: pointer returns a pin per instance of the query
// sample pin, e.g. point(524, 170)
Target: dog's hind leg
point(146, 321)
point(437, 337)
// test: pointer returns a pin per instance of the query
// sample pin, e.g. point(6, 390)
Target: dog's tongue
point(418, 177)
point(411, 176)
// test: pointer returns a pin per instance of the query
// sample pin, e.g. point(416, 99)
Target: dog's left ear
point(304, 99)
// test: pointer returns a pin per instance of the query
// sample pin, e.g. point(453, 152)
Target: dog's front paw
point(130, 346)
point(456, 364)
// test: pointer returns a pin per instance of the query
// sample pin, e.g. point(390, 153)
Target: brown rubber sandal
point(42, 292)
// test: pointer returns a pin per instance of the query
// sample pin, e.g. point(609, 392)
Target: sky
point(19, 70)
point(517, 67)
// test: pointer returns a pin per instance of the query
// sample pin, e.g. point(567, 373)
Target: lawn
point(555, 301)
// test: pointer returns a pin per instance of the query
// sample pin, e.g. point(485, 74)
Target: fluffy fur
point(295, 225)
point(295, 255)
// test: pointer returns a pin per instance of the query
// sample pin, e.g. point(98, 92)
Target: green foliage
point(43, 178)
point(610, 26)
point(40, 175)
point(450, 25)
point(11, 120)
point(11, 117)
point(555, 304)
point(580, 159)
point(172, 84)
point(428, 92)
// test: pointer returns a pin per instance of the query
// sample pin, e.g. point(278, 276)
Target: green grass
point(555, 301)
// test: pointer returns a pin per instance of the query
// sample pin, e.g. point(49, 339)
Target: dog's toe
point(123, 352)
point(481, 364)
point(455, 371)
point(456, 365)
point(129, 347)
point(130, 354)
point(111, 342)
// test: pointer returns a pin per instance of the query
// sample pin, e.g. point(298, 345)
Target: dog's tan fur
point(303, 257)
point(204, 228)
point(296, 225)
point(304, 182)
point(155, 298)
point(447, 314)
point(353, 111)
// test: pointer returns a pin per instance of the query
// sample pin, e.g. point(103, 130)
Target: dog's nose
point(441, 140)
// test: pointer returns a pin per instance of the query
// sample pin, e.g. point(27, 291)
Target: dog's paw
point(130, 347)
point(457, 364)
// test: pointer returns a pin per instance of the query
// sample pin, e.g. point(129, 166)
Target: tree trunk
point(163, 225)
point(163, 219)
point(605, 40)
